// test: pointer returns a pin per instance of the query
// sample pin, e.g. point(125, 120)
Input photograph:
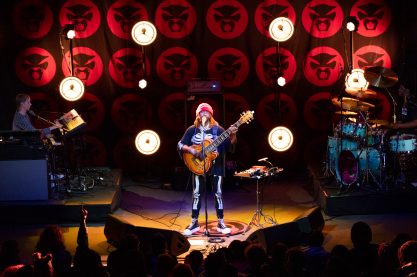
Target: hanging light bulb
point(281, 81)
point(147, 142)
point(356, 81)
point(280, 139)
point(352, 23)
point(143, 83)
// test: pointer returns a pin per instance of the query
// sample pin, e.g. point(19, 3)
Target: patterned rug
point(236, 227)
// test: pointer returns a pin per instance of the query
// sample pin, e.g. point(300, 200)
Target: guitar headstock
point(246, 117)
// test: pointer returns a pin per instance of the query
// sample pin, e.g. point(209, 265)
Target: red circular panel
point(88, 66)
point(229, 65)
point(371, 55)
point(323, 66)
point(227, 19)
point(126, 156)
point(235, 105)
point(269, 114)
point(91, 110)
point(175, 19)
point(84, 14)
point(123, 14)
point(131, 113)
point(35, 66)
point(374, 17)
point(322, 18)
point(92, 154)
point(44, 106)
point(268, 10)
point(171, 112)
point(267, 68)
point(319, 111)
point(176, 65)
point(126, 67)
point(32, 18)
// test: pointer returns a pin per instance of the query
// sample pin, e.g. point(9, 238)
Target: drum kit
point(360, 152)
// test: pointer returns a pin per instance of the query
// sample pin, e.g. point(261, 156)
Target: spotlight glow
point(280, 139)
point(147, 142)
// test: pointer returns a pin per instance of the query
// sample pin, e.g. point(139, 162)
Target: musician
point(408, 111)
point(21, 120)
point(206, 127)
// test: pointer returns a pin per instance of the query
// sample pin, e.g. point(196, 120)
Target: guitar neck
point(212, 146)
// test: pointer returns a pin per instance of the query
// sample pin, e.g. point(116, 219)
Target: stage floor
point(156, 205)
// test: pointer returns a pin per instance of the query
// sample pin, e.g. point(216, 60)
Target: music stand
point(259, 215)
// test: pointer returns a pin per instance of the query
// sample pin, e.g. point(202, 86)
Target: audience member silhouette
point(364, 254)
point(316, 255)
point(339, 262)
point(87, 262)
point(195, 260)
point(9, 254)
point(388, 261)
point(164, 265)
point(51, 241)
point(182, 270)
point(127, 259)
point(407, 256)
point(295, 262)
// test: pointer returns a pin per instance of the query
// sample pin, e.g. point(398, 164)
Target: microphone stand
point(203, 152)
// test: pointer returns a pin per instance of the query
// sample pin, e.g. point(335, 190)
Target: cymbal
point(346, 113)
point(380, 122)
point(352, 104)
point(359, 93)
point(381, 77)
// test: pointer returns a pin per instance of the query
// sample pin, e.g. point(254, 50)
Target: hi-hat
point(359, 93)
point(381, 77)
point(346, 113)
point(352, 104)
point(380, 122)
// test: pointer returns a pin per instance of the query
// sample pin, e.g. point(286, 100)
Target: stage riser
point(377, 203)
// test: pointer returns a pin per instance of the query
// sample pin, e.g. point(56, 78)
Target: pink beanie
point(203, 107)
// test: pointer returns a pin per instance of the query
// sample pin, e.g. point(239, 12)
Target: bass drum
point(347, 169)
point(334, 146)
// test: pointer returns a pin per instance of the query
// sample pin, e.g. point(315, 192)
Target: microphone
point(32, 113)
point(204, 120)
point(263, 159)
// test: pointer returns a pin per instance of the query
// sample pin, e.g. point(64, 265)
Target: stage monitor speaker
point(287, 233)
point(311, 220)
point(116, 229)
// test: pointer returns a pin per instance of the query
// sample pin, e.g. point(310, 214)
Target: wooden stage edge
point(64, 207)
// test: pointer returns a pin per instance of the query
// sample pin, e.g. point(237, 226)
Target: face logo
point(318, 112)
point(91, 109)
point(235, 104)
point(84, 14)
point(123, 14)
point(32, 19)
point(268, 10)
point(126, 67)
point(175, 20)
point(268, 106)
point(131, 113)
point(35, 67)
point(43, 102)
point(374, 17)
point(93, 154)
point(267, 69)
point(230, 65)
point(372, 55)
point(323, 66)
point(171, 112)
point(227, 19)
point(322, 18)
point(176, 65)
point(88, 66)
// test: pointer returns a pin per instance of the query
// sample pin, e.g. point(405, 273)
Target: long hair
point(197, 122)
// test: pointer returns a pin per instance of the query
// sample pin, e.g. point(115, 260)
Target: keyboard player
point(21, 119)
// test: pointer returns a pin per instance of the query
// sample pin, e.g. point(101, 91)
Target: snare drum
point(404, 143)
point(353, 130)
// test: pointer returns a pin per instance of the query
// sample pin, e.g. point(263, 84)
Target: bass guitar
point(195, 164)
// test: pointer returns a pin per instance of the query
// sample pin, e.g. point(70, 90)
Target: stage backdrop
point(226, 40)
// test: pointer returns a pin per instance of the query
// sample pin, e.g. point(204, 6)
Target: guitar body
point(196, 165)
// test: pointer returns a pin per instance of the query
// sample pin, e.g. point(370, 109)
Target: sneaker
point(192, 228)
point(222, 228)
